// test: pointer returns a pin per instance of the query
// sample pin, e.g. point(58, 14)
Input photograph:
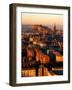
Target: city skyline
point(43, 19)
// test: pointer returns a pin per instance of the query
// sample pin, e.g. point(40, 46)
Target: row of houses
point(44, 58)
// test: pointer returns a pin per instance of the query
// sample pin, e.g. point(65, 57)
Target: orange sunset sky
point(51, 19)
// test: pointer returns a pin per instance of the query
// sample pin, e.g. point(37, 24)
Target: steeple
point(54, 27)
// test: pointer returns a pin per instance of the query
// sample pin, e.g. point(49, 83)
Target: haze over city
point(43, 19)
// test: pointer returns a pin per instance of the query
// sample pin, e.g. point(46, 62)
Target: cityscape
point(42, 50)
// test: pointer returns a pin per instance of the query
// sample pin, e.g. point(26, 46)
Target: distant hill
point(28, 29)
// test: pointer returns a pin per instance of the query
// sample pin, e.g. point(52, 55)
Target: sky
point(44, 19)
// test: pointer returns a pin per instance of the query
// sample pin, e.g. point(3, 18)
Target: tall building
point(55, 30)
